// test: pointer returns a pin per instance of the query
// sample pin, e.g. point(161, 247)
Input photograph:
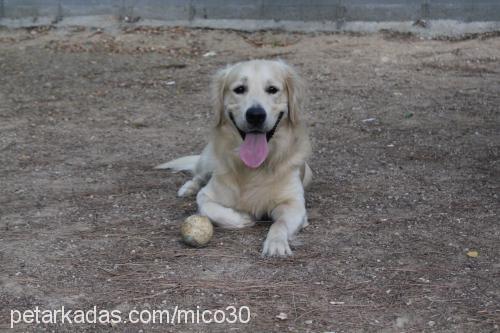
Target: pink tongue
point(253, 151)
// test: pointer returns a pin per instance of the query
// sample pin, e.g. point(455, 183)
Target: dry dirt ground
point(397, 204)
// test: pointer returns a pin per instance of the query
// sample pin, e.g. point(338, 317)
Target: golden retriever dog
point(254, 165)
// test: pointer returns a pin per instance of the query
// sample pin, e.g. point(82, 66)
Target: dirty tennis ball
point(197, 230)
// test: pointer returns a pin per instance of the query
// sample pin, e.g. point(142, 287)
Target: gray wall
point(290, 10)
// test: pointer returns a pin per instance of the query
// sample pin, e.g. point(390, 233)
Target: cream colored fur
point(232, 195)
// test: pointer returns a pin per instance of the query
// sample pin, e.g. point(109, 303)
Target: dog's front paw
point(188, 189)
point(237, 221)
point(276, 246)
point(246, 220)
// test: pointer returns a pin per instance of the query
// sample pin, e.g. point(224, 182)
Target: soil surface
point(404, 233)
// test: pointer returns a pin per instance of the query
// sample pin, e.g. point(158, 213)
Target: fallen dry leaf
point(472, 254)
point(282, 316)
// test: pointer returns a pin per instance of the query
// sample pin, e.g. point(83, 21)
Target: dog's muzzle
point(269, 134)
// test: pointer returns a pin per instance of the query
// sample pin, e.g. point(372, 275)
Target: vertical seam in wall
point(59, 14)
point(340, 14)
point(425, 9)
point(191, 11)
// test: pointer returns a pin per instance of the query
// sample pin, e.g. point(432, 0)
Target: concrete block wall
point(328, 14)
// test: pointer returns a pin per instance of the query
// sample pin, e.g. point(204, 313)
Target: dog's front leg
point(288, 219)
point(220, 215)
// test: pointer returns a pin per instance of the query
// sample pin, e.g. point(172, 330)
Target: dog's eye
point(272, 90)
point(240, 90)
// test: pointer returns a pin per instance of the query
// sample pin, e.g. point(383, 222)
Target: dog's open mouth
point(254, 149)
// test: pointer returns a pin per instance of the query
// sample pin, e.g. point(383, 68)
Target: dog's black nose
point(256, 116)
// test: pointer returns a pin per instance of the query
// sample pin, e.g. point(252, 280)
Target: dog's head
point(255, 97)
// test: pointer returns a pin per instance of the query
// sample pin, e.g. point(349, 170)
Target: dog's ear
point(295, 89)
point(219, 87)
